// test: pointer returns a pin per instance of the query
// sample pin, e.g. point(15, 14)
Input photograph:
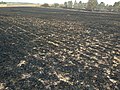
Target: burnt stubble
point(55, 49)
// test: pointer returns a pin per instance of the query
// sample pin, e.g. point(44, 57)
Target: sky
point(110, 2)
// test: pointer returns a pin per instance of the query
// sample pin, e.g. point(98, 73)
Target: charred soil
point(53, 49)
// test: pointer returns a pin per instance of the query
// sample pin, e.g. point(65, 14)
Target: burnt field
point(51, 49)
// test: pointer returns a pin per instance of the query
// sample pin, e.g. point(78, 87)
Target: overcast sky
point(110, 2)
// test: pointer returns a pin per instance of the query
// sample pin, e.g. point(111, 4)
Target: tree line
point(93, 5)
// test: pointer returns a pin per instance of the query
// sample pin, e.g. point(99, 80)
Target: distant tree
point(81, 5)
point(116, 6)
point(75, 4)
point(56, 5)
point(65, 5)
point(110, 8)
point(45, 5)
point(101, 6)
point(70, 4)
point(106, 6)
point(80, 2)
point(61, 6)
point(3, 2)
point(92, 4)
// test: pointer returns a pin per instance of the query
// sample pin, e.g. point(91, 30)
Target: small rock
point(22, 62)
point(2, 87)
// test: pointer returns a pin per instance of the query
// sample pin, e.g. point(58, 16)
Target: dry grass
point(20, 5)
